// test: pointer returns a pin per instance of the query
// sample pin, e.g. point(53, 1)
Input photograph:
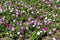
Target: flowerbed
point(29, 20)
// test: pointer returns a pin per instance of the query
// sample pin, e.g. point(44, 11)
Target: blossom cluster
point(21, 20)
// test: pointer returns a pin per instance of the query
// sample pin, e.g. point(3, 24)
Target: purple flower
point(8, 25)
point(21, 31)
point(46, 28)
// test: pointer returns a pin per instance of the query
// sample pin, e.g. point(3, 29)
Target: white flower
point(18, 33)
point(54, 38)
point(49, 19)
point(30, 8)
point(41, 31)
point(17, 13)
point(38, 27)
point(38, 33)
point(37, 12)
point(45, 17)
point(6, 32)
point(32, 21)
point(23, 11)
point(50, 32)
point(32, 12)
point(14, 20)
point(33, 25)
point(53, 19)
point(13, 29)
point(13, 14)
point(57, 0)
point(54, 29)
point(11, 10)
point(10, 35)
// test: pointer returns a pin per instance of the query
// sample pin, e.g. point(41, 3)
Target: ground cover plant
point(29, 19)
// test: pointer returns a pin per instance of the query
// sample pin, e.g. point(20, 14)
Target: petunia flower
point(38, 33)
point(50, 32)
point(21, 31)
point(12, 28)
point(8, 25)
point(22, 27)
point(0, 8)
point(45, 13)
point(54, 29)
point(27, 23)
point(41, 17)
point(29, 18)
point(43, 1)
point(1, 22)
point(53, 38)
point(35, 22)
point(45, 22)
point(44, 29)
point(11, 35)
point(49, 22)
point(27, 28)
point(49, 3)
point(20, 35)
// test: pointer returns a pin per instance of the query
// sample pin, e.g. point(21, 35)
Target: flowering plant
point(29, 21)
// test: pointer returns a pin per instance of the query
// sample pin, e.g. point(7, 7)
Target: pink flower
point(0, 8)
point(45, 13)
point(27, 28)
point(10, 35)
point(44, 29)
point(45, 22)
point(22, 27)
point(49, 22)
point(0, 22)
point(35, 22)
point(43, 1)
point(49, 3)
point(12, 28)
point(8, 25)
point(27, 23)
point(20, 35)
point(30, 18)
point(41, 17)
